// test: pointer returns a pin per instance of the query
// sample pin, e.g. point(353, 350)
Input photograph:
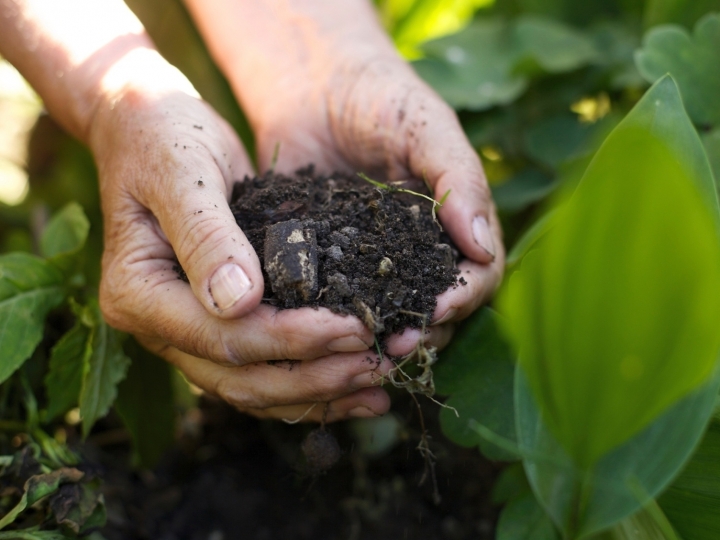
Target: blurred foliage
point(411, 22)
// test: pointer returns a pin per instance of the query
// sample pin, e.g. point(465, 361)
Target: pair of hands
point(355, 107)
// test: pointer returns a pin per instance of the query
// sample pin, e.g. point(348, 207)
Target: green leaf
point(511, 484)
point(68, 359)
point(711, 142)
point(489, 62)
point(29, 289)
point(411, 23)
point(691, 60)
point(476, 370)
point(524, 519)
point(33, 533)
point(523, 189)
point(39, 486)
point(587, 500)
point(595, 312)
point(693, 500)
point(145, 403)
point(105, 368)
point(644, 525)
point(66, 232)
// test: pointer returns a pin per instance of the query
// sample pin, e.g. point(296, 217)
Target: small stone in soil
point(321, 451)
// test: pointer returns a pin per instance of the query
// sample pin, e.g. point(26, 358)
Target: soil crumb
point(342, 243)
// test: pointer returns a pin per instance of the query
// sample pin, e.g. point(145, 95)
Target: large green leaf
point(587, 500)
point(29, 289)
point(603, 317)
point(489, 62)
point(476, 370)
point(146, 404)
point(711, 142)
point(691, 60)
point(692, 503)
point(104, 369)
point(68, 360)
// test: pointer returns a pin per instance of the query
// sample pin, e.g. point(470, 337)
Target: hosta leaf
point(692, 60)
point(105, 368)
point(29, 289)
point(476, 370)
point(588, 500)
point(66, 232)
point(68, 360)
point(602, 316)
point(711, 142)
point(693, 500)
point(524, 519)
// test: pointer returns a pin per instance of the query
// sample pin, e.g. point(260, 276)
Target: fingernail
point(347, 344)
point(449, 315)
point(483, 237)
point(362, 412)
point(228, 285)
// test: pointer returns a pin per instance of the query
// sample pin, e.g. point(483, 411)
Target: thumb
point(440, 152)
point(191, 205)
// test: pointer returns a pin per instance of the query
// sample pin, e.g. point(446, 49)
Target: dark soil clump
point(339, 242)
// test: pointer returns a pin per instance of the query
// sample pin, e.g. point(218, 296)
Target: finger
point(188, 195)
point(152, 302)
point(404, 343)
point(459, 302)
point(440, 152)
point(262, 385)
point(365, 403)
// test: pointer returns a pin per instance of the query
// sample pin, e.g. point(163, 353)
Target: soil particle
point(339, 242)
point(321, 450)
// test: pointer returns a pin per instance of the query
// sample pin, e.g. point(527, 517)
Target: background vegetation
point(595, 376)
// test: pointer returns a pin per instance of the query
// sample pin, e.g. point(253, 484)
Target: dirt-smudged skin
point(379, 255)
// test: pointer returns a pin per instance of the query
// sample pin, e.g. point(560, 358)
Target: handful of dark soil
point(342, 243)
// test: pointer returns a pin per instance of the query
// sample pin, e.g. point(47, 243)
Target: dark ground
point(240, 478)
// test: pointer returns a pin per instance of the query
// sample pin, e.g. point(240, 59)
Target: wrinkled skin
point(324, 81)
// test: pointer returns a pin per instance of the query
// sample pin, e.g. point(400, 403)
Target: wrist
point(130, 88)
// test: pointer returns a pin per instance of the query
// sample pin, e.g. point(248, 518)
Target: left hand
point(327, 84)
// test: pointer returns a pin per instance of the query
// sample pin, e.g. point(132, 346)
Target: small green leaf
point(39, 486)
point(66, 232)
point(106, 367)
point(29, 289)
point(595, 311)
point(692, 501)
point(145, 403)
point(476, 370)
point(691, 60)
point(511, 484)
point(68, 359)
point(524, 519)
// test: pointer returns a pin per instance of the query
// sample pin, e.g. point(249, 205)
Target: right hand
point(167, 163)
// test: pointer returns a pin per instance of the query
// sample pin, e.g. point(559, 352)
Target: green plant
point(612, 376)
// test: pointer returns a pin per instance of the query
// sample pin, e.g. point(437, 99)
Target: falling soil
point(340, 242)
